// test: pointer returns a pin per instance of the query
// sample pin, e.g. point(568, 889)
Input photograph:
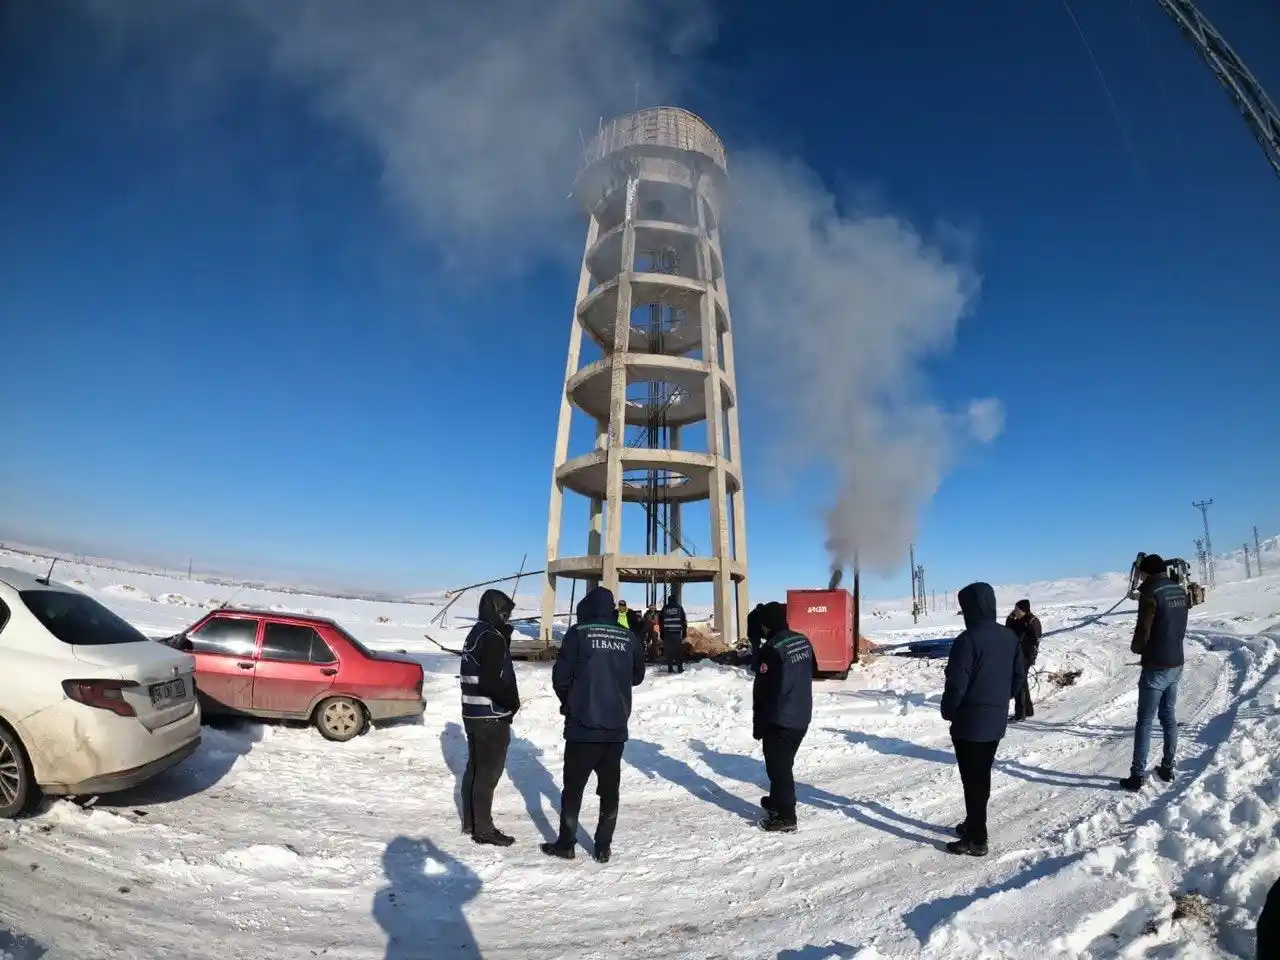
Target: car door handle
point(329, 672)
point(245, 666)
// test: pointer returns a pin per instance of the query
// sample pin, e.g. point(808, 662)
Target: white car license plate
point(163, 694)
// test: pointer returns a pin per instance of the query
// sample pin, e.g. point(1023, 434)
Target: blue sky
point(233, 334)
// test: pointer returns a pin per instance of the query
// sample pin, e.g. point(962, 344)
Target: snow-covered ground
point(271, 842)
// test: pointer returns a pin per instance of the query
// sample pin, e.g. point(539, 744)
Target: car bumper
point(395, 709)
point(124, 779)
point(77, 749)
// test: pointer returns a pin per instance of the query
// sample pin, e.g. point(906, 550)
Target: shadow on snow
point(421, 908)
point(811, 951)
point(870, 812)
point(1054, 778)
point(224, 740)
point(18, 946)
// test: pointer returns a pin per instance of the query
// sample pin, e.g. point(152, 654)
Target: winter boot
point(1133, 784)
point(680, 668)
point(962, 828)
point(556, 850)
point(777, 823)
point(493, 838)
point(967, 848)
point(767, 803)
point(601, 855)
point(1165, 772)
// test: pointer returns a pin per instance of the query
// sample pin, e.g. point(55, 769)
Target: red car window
point(229, 636)
point(295, 643)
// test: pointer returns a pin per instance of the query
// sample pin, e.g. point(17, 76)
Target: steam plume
point(843, 307)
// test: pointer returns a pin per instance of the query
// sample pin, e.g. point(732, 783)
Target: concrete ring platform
point(605, 258)
point(589, 388)
point(641, 568)
point(599, 310)
point(690, 481)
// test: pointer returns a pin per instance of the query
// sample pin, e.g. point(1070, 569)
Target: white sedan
point(88, 705)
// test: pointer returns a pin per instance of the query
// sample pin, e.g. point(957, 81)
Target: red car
point(293, 667)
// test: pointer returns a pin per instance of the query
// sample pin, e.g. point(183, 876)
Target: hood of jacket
point(495, 608)
point(774, 617)
point(597, 607)
point(978, 604)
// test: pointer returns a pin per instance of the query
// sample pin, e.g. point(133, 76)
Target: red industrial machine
point(829, 618)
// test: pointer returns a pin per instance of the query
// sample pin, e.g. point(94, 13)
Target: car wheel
point(17, 788)
point(340, 719)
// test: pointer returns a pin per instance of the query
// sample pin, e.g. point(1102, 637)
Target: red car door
point(295, 668)
point(224, 648)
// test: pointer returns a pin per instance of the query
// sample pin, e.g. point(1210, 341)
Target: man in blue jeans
point(1157, 639)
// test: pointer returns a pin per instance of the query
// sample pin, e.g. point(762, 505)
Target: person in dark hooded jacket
point(490, 699)
point(1027, 626)
point(674, 626)
point(598, 664)
point(782, 706)
point(984, 671)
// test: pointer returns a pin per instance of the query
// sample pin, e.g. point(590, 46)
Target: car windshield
point(78, 620)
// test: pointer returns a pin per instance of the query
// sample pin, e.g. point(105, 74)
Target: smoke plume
point(474, 111)
point(843, 307)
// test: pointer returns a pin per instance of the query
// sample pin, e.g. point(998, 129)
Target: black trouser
point(580, 761)
point(780, 746)
point(674, 650)
point(1022, 706)
point(1269, 925)
point(974, 760)
point(487, 743)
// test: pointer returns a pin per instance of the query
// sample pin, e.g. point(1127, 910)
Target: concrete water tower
point(652, 298)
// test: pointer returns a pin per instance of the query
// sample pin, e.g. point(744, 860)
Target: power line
point(1106, 88)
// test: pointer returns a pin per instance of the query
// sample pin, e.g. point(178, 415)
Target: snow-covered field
point(273, 843)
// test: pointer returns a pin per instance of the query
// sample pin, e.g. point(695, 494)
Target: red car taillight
point(103, 694)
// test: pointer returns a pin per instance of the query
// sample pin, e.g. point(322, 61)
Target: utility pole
point(915, 594)
point(1203, 507)
point(1257, 548)
point(1202, 562)
point(1247, 574)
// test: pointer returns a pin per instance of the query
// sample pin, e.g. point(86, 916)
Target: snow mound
point(177, 600)
point(126, 592)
